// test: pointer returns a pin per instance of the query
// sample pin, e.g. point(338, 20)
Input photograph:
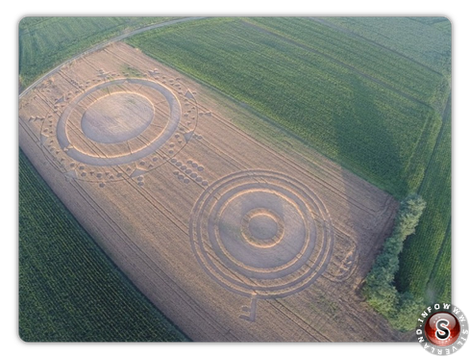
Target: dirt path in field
point(103, 45)
point(439, 137)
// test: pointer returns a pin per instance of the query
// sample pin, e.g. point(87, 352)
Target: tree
point(406, 312)
point(407, 219)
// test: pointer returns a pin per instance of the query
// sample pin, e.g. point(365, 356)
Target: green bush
point(398, 307)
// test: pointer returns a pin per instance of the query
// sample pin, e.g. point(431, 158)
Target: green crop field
point(418, 273)
point(69, 290)
point(72, 310)
point(370, 93)
point(371, 129)
point(45, 42)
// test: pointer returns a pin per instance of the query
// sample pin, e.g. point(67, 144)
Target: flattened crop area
point(231, 239)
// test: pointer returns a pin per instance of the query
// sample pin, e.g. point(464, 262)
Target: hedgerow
point(380, 291)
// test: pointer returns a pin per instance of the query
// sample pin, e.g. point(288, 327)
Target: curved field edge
point(69, 290)
point(45, 42)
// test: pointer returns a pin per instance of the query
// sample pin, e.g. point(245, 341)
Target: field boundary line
point(441, 248)
point(438, 139)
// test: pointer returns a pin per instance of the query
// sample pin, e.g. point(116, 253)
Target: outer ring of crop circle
point(155, 145)
point(278, 290)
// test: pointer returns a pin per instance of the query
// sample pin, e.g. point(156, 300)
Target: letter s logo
point(442, 333)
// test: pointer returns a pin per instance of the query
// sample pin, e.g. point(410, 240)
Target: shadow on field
point(355, 124)
point(383, 154)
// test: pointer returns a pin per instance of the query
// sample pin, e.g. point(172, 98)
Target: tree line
point(400, 308)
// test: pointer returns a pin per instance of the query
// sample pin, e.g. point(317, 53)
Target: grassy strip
point(423, 249)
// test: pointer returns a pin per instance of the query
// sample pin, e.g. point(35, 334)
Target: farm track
point(102, 45)
point(438, 139)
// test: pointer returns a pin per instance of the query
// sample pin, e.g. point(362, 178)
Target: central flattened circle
point(262, 228)
point(117, 118)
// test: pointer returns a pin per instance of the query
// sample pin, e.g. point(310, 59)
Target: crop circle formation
point(261, 233)
point(107, 120)
point(120, 124)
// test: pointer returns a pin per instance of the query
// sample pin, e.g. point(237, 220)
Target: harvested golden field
point(234, 235)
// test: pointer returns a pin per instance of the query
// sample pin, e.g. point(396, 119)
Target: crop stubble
point(231, 239)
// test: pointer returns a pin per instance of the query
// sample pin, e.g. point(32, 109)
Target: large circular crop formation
point(261, 233)
point(122, 124)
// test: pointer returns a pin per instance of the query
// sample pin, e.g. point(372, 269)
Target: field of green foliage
point(370, 93)
point(351, 117)
point(69, 290)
